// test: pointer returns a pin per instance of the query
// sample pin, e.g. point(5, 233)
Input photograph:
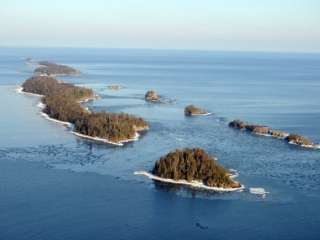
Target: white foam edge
point(196, 184)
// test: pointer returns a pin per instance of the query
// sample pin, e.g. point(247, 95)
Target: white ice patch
point(317, 146)
point(258, 191)
point(41, 105)
point(233, 173)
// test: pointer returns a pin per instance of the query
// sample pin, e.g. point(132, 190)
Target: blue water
point(56, 186)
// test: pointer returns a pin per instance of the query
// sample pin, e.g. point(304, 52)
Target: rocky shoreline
point(267, 131)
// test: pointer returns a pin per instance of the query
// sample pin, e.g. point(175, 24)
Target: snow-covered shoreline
point(313, 146)
point(103, 140)
point(269, 135)
point(196, 184)
point(67, 124)
point(201, 114)
point(20, 90)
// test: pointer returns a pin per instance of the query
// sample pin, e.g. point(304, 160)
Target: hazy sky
point(268, 25)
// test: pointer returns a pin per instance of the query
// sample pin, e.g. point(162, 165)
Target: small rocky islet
point(152, 96)
point(192, 110)
point(267, 131)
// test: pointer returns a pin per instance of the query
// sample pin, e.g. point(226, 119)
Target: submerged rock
point(299, 140)
point(192, 110)
point(194, 165)
point(152, 96)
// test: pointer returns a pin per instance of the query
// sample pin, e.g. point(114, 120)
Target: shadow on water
point(188, 190)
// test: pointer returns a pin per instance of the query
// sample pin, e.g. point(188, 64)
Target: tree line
point(62, 103)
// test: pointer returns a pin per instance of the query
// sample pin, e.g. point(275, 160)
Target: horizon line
point(161, 49)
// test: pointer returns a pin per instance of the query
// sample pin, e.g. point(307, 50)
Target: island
point(258, 129)
point(62, 103)
point(192, 110)
point(300, 140)
point(267, 131)
point(192, 167)
point(152, 96)
point(46, 68)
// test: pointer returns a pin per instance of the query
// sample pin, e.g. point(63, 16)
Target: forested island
point(62, 102)
point(53, 69)
point(194, 167)
point(267, 131)
point(192, 110)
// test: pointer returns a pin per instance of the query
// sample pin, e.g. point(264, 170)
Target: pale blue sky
point(267, 25)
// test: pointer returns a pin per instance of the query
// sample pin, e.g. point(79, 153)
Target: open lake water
point(54, 185)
